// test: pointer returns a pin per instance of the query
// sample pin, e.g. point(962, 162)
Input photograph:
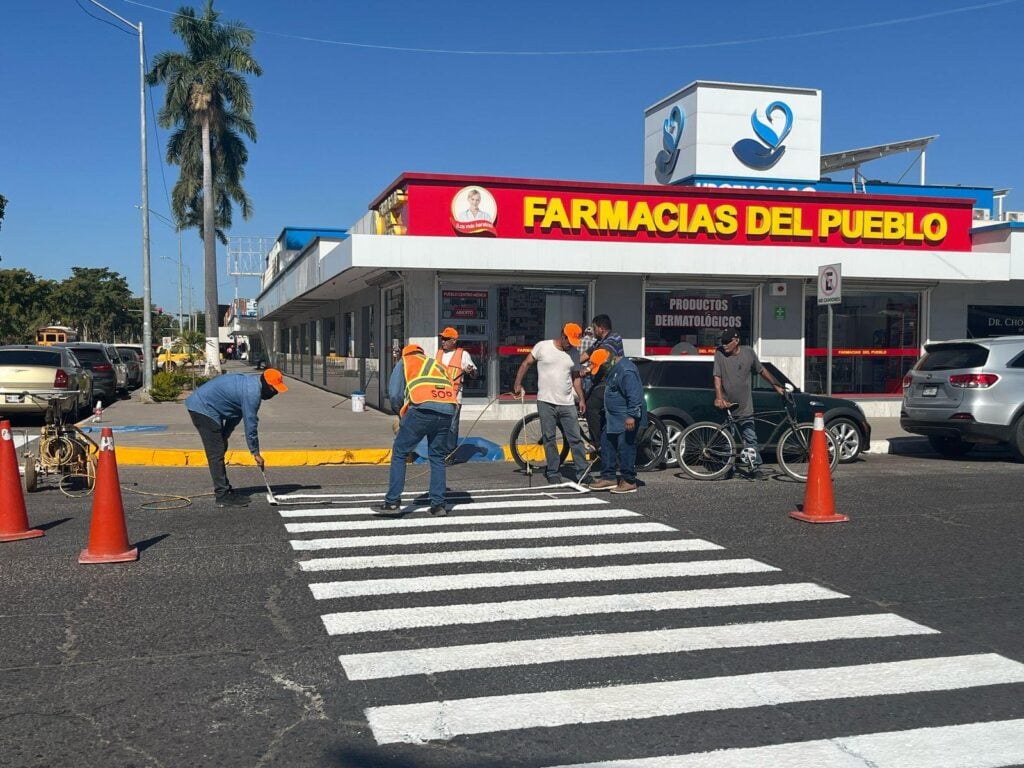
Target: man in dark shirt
point(734, 367)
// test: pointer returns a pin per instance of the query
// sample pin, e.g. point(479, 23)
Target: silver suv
point(965, 392)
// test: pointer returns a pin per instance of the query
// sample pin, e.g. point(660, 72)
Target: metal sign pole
point(828, 354)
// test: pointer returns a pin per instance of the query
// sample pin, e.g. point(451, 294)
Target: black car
point(679, 389)
point(95, 358)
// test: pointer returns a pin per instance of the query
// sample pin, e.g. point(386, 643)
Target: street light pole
point(177, 230)
point(147, 320)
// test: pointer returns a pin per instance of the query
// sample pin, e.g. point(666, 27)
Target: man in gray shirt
point(734, 367)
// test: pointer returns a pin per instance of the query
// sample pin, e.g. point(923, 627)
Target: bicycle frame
point(778, 427)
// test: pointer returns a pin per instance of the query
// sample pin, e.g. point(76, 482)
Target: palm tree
point(208, 103)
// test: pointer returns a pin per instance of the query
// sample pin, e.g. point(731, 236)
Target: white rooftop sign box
point(734, 130)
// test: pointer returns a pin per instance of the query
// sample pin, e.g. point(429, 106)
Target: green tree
point(96, 302)
point(208, 103)
point(24, 305)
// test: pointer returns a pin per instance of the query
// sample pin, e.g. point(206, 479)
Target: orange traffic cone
point(13, 517)
point(819, 507)
point(108, 536)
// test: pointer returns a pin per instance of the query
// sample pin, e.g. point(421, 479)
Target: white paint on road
point(467, 507)
point(388, 619)
point(425, 661)
point(333, 589)
point(380, 523)
point(975, 745)
point(357, 562)
point(443, 720)
point(451, 537)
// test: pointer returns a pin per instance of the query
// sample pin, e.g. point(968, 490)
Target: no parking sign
point(830, 284)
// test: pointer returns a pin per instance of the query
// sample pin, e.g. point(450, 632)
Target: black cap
point(729, 335)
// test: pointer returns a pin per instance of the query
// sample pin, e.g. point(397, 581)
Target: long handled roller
point(270, 493)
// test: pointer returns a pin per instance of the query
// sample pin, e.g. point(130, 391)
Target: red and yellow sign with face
point(555, 210)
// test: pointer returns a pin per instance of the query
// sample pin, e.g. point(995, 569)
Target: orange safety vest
point(426, 382)
point(454, 368)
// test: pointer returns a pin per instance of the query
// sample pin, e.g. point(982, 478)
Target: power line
point(619, 51)
point(100, 18)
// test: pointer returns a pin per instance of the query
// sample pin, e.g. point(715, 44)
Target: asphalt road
point(708, 620)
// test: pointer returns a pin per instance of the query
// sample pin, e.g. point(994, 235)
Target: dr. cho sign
point(830, 284)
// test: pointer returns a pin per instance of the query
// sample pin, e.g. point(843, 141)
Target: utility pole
point(147, 319)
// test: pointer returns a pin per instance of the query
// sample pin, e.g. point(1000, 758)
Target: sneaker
point(603, 485)
point(438, 509)
point(555, 480)
point(232, 499)
point(758, 474)
point(387, 506)
point(624, 487)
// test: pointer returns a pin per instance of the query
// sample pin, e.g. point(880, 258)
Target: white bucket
point(358, 402)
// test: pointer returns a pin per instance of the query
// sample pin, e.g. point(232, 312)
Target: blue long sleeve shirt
point(623, 396)
point(396, 393)
point(229, 399)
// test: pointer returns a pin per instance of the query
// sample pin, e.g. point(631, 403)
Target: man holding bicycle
point(734, 367)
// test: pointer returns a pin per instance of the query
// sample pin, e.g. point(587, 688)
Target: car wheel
point(1017, 439)
point(950, 447)
point(673, 429)
point(849, 440)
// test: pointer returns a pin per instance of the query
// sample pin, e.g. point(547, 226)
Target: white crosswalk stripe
point(613, 592)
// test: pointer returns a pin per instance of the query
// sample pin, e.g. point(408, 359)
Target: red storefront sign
point(556, 210)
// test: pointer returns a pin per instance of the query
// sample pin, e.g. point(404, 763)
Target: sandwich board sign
point(830, 284)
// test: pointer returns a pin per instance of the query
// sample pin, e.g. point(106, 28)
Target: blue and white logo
point(762, 155)
point(671, 133)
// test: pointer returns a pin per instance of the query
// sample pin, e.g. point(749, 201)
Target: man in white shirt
point(559, 396)
point(459, 364)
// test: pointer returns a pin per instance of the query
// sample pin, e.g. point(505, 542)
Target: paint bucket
point(358, 401)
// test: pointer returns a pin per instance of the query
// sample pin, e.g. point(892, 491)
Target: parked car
point(680, 389)
point(45, 372)
point(120, 369)
point(170, 359)
point(965, 392)
point(132, 359)
point(97, 359)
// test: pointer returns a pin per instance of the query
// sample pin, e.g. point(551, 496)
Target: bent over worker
point(423, 395)
point(217, 407)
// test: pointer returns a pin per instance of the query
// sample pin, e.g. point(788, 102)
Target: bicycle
point(63, 449)
point(527, 445)
point(708, 450)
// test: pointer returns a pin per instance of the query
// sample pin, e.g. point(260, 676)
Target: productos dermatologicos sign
point(565, 211)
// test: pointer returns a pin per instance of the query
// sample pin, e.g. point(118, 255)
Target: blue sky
point(337, 123)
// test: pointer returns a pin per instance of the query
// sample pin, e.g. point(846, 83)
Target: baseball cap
point(573, 333)
point(599, 357)
point(729, 335)
point(275, 379)
point(412, 349)
point(449, 333)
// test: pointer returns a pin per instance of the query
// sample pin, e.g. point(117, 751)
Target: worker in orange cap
point(423, 395)
point(458, 364)
point(217, 407)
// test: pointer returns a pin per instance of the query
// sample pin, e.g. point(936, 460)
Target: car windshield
point(90, 355)
point(29, 357)
point(948, 357)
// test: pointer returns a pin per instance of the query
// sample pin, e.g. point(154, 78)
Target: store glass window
point(527, 314)
point(466, 309)
point(394, 324)
point(875, 341)
point(691, 321)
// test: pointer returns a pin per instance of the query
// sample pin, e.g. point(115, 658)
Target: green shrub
point(165, 387)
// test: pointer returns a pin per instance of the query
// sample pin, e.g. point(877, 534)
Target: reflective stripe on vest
point(426, 382)
point(454, 368)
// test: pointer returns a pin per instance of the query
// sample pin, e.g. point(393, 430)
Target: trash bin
point(358, 401)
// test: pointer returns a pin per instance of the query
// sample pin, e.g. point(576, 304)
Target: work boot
point(232, 499)
point(624, 487)
point(603, 485)
point(438, 509)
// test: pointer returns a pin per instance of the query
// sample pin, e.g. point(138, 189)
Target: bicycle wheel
point(793, 452)
point(651, 445)
point(706, 451)
point(527, 446)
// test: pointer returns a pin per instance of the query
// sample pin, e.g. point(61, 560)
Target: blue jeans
point(453, 432)
point(565, 415)
point(749, 435)
point(619, 450)
point(417, 424)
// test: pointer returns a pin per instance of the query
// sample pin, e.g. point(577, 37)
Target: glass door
point(467, 310)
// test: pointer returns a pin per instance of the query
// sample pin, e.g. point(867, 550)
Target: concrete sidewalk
point(308, 426)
